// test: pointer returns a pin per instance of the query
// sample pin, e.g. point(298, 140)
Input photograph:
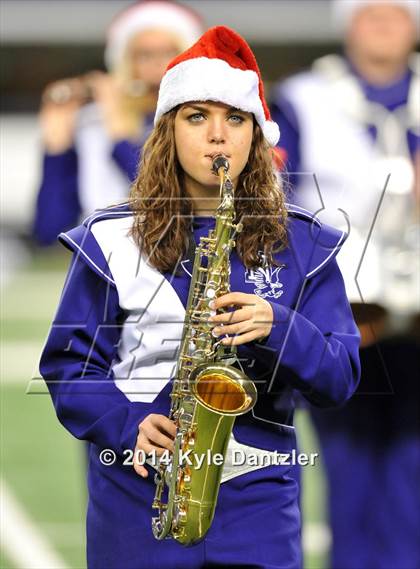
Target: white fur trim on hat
point(343, 11)
point(204, 79)
point(150, 15)
point(271, 132)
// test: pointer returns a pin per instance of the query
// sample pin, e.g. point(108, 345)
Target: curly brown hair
point(163, 210)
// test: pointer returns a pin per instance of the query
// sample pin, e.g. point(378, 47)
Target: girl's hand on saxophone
point(252, 319)
point(156, 433)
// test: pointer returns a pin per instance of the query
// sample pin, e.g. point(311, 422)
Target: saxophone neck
point(226, 197)
point(220, 167)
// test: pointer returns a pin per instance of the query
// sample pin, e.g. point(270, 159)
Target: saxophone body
point(207, 394)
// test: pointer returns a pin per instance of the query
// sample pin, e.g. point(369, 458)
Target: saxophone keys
point(156, 526)
point(184, 480)
point(184, 476)
point(185, 421)
point(189, 441)
point(180, 516)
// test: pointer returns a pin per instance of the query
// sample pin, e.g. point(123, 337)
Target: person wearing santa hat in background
point(351, 128)
point(113, 346)
point(93, 126)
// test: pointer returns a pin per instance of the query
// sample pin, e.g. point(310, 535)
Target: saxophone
point(207, 393)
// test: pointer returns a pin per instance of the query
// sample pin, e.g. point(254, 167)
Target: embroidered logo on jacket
point(265, 279)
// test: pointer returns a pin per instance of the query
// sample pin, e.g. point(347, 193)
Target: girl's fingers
point(140, 469)
point(164, 425)
point(159, 431)
point(158, 422)
point(232, 317)
point(149, 435)
point(241, 338)
point(240, 328)
point(147, 448)
point(158, 439)
point(161, 423)
point(234, 298)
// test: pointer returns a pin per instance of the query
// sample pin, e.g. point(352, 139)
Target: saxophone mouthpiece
point(220, 161)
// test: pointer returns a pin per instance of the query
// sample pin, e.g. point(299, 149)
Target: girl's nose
point(216, 131)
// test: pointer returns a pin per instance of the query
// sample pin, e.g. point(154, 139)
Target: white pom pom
point(271, 132)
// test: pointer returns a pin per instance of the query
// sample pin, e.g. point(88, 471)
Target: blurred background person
point(351, 128)
point(93, 126)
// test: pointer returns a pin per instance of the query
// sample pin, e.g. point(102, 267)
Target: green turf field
point(43, 467)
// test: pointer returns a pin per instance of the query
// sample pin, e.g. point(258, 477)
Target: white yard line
point(316, 538)
point(22, 542)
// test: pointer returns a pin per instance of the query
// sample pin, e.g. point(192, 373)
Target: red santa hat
point(343, 11)
point(148, 15)
point(219, 67)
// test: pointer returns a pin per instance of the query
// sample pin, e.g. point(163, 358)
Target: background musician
point(353, 123)
point(94, 126)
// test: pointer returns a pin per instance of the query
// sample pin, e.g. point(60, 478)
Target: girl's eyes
point(199, 117)
point(196, 117)
point(237, 119)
